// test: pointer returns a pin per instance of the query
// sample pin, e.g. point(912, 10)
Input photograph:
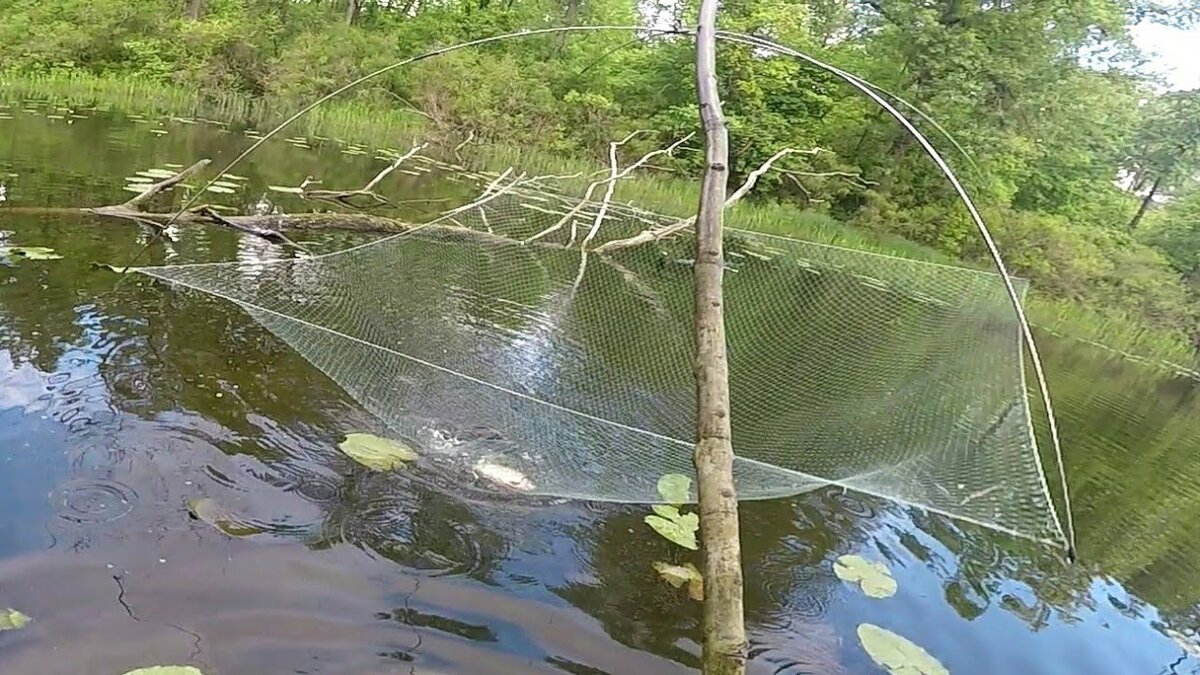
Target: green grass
point(377, 124)
point(1112, 330)
point(352, 121)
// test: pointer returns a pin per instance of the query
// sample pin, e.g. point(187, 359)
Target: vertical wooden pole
point(724, 627)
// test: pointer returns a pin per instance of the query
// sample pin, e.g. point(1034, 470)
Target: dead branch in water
point(615, 175)
point(656, 233)
point(529, 191)
point(164, 185)
point(345, 197)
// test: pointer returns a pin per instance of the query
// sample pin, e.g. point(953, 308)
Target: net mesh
point(880, 374)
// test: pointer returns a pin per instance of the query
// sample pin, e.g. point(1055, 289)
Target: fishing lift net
point(878, 374)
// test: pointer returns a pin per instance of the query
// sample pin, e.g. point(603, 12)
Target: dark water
point(121, 401)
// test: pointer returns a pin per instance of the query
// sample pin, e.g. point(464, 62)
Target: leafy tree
point(1166, 151)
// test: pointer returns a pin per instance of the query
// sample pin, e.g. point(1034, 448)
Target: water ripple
point(91, 500)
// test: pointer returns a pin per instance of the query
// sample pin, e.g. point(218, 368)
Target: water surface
point(121, 401)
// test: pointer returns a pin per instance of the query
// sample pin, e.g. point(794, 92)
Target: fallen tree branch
point(166, 184)
point(614, 175)
point(612, 182)
point(344, 197)
point(663, 231)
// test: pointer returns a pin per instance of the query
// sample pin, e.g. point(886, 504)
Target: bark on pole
point(724, 651)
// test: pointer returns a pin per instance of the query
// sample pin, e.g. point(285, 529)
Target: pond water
point(119, 402)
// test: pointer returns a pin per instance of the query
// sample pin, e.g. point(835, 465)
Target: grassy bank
point(355, 121)
point(381, 124)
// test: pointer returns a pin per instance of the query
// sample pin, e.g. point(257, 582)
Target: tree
point(1166, 149)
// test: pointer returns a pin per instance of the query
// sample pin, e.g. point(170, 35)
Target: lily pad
point(378, 454)
point(673, 488)
point(666, 511)
point(156, 173)
point(681, 530)
point(221, 190)
point(218, 516)
point(896, 654)
point(874, 577)
point(11, 619)
point(166, 670)
point(678, 575)
point(31, 252)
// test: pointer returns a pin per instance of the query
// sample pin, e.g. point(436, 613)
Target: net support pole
point(724, 650)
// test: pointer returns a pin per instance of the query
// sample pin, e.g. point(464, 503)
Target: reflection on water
point(119, 402)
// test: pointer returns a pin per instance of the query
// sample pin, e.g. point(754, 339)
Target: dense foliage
point(1086, 169)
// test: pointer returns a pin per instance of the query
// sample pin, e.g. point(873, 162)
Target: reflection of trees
point(1130, 432)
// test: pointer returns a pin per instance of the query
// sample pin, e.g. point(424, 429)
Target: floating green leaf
point(11, 619)
point(218, 516)
point(665, 511)
point(166, 670)
point(897, 655)
point(221, 190)
point(681, 530)
point(379, 454)
point(673, 488)
point(678, 575)
point(156, 173)
point(874, 577)
point(31, 252)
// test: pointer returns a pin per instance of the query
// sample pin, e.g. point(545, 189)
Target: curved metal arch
point(867, 89)
point(993, 250)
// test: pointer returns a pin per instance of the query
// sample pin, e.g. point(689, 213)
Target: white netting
point(880, 374)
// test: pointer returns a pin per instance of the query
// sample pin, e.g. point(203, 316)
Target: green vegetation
point(1084, 169)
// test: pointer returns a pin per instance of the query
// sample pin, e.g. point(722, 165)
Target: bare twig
point(615, 174)
point(490, 192)
point(345, 197)
point(852, 178)
point(612, 182)
point(663, 231)
point(166, 184)
point(395, 165)
point(470, 137)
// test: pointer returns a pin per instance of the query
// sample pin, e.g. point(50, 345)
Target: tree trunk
point(352, 9)
point(194, 9)
point(1146, 202)
point(724, 651)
